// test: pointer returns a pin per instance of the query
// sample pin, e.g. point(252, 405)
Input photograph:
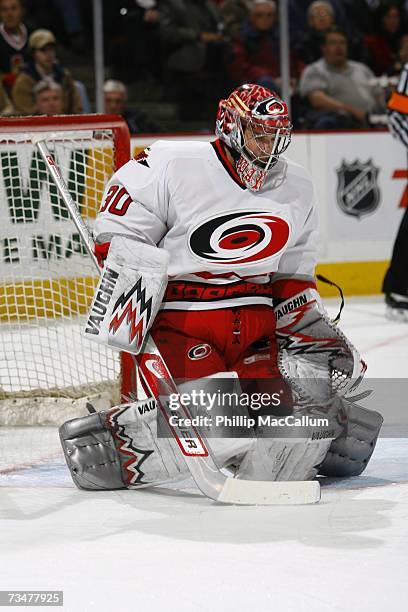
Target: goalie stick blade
point(227, 490)
point(253, 492)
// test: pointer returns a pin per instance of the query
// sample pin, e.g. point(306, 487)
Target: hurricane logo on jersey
point(239, 238)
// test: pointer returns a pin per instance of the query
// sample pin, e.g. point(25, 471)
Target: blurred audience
point(115, 97)
point(382, 45)
point(13, 41)
point(44, 63)
point(320, 18)
point(361, 15)
point(402, 56)
point(48, 98)
point(6, 107)
point(134, 48)
point(298, 17)
point(340, 91)
point(193, 49)
point(70, 11)
point(255, 56)
point(233, 13)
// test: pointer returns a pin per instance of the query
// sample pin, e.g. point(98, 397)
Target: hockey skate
point(397, 307)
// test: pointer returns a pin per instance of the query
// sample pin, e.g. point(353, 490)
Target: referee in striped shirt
point(395, 284)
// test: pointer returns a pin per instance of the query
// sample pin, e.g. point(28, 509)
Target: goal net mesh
point(47, 278)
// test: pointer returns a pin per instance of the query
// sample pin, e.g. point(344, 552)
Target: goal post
point(48, 370)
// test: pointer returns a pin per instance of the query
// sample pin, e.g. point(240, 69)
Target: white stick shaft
point(68, 200)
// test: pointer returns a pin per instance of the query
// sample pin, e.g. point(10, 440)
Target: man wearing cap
point(44, 64)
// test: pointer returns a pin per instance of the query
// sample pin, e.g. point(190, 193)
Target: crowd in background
point(343, 56)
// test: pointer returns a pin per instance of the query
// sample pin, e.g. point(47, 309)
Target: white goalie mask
point(254, 122)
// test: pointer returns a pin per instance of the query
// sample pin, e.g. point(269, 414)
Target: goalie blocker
point(128, 295)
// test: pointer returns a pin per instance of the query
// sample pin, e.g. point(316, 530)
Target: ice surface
point(168, 549)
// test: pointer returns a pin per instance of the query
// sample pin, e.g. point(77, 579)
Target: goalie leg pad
point(350, 453)
point(90, 453)
point(119, 448)
point(123, 447)
point(292, 453)
point(275, 459)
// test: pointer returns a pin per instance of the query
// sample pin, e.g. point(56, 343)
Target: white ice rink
point(175, 550)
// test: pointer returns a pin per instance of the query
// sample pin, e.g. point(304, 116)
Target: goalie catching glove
point(314, 355)
point(128, 295)
point(322, 366)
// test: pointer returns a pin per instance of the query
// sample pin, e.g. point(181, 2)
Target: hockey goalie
point(210, 247)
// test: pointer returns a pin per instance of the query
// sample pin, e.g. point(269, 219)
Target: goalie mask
point(254, 122)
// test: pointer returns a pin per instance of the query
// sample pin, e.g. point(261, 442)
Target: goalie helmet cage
point(48, 371)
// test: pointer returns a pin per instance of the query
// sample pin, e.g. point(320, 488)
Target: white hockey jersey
point(224, 241)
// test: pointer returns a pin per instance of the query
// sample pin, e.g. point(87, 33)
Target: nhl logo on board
point(358, 193)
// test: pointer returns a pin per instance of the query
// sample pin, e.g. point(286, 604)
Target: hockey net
point(48, 371)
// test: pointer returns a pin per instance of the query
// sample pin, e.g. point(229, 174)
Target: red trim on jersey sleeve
point(284, 288)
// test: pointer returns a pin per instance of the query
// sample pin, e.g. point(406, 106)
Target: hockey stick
point(208, 477)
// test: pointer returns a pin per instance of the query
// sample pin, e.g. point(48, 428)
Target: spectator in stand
point(115, 95)
point(13, 41)
point(233, 14)
point(382, 46)
point(402, 56)
point(254, 56)
point(340, 91)
point(48, 98)
point(361, 14)
point(193, 45)
point(298, 18)
point(320, 18)
point(6, 107)
point(43, 64)
point(70, 11)
point(136, 33)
